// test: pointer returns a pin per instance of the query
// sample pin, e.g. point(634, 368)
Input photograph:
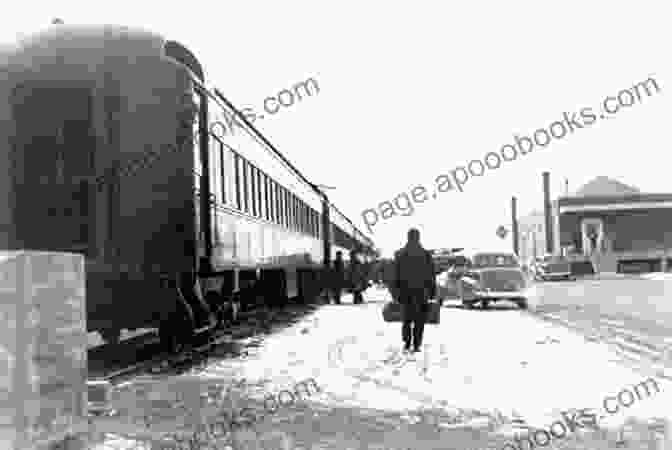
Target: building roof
point(612, 194)
point(605, 187)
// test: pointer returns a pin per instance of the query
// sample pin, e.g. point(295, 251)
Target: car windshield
point(495, 260)
point(502, 277)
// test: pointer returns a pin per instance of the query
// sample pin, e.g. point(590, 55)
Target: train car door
point(53, 151)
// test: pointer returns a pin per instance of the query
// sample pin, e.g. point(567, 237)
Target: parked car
point(447, 280)
point(493, 277)
point(553, 268)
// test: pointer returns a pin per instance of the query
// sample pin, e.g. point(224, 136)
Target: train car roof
point(74, 35)
point(89, 36)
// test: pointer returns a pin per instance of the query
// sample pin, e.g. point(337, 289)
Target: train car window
point(278, 202)
point(216, 169)
point(222, 173)
point(304, 218)
point(288, 215)
point(260, 195)
point(253, 190)
point(274, 199)
point(228, 176)
point(311, 224)
point(278, 209)
point(297, 208)
point(285, 207)
point(257, 183)
point(267, 208)
point(271, 200)
point(225, 163)
point(239, 205)
point(318, 225)
point(299, 214)
point(269, 204)
point(288, 207)
point(302, 215)
point(246, 186)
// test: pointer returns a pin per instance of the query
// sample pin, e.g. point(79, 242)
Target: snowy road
point(482, 379)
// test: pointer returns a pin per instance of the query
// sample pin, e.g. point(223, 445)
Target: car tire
point(485, 304)
point(468, 304)
point(522, 304)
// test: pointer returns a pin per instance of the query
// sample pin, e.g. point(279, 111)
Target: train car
point(346, 237)
point(107, 149)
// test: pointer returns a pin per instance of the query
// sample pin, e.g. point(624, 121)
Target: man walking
point(415, 283)
point(337, 278)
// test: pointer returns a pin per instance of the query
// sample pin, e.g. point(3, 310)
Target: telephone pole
point(547, 212)
point(514, 225)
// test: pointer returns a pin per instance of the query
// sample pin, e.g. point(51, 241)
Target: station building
point(617, 227)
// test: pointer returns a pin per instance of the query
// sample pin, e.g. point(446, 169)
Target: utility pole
point(547, 212)
point(514, 225)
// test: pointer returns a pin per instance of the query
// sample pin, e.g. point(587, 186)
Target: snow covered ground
point(482, 379)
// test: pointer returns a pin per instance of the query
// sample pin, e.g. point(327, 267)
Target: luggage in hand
point(392, 312)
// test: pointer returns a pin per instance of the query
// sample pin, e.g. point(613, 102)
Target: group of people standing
point(410, 280)
point(355, 278)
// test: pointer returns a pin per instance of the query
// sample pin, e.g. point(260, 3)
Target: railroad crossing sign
point(502, 231)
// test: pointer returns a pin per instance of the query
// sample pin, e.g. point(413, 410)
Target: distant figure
point(358, 278)
point(337, 278)
point(416, 283)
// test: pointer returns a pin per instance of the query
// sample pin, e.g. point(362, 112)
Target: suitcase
point(392, 312)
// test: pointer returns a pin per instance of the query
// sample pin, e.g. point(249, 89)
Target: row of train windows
point(237, 183)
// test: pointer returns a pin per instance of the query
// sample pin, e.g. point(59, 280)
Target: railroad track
point(115, 362)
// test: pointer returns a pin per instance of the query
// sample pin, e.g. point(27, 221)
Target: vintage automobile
point(493, 277)
point(553, 268)
point(448, 280)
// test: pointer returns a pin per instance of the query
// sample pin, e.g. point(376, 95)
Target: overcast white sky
point(410, 90)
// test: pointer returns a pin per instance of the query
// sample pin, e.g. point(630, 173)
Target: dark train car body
point(107, 149)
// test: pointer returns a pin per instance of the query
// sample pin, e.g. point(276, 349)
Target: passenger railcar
point(107, 149)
